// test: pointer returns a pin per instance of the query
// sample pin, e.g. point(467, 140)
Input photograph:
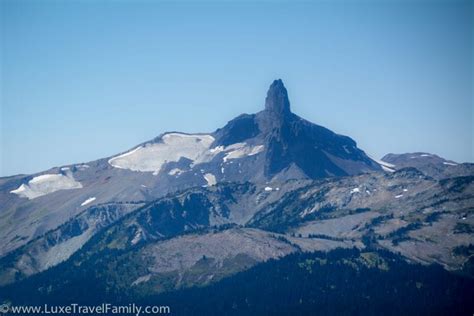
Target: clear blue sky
point(83, 80)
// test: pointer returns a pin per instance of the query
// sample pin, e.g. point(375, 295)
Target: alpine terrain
point(270, 214)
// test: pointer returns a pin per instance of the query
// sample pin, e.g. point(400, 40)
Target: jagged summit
point(291, 146)
point(277, 102)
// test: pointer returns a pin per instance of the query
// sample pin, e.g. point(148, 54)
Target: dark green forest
point(340, 282)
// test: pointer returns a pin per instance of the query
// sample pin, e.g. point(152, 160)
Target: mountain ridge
point(188, 209)
point(271, 145)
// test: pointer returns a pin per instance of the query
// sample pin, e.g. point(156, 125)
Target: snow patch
point(388, 167)
point(210, 178)
point(137, 237)
point(175, 172)
point(241, 150)
point(89, 200)
point(355, 190)
point(45, 184)
point(216, 150)
point(449, 163)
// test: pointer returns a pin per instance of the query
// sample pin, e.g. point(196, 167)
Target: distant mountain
point(272, 145)
point(430, 164)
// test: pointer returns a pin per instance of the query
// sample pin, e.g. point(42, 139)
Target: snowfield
point(152, 156)
point(45, 184)
point(174, 146)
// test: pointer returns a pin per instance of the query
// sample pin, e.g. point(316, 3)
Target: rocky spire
point(277, 103)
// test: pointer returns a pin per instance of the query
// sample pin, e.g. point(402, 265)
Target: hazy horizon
point(86, 80)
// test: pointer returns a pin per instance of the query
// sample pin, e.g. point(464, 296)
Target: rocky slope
point(430, 164)
point(272, 144)
point(191, 209)
point(202, 235)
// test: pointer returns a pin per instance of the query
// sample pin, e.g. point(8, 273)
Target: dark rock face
point(293, 146)
point(277, 103)
point(317, 151)
point(239, 129)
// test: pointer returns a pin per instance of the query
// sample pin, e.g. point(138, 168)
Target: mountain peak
point(277, 99)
